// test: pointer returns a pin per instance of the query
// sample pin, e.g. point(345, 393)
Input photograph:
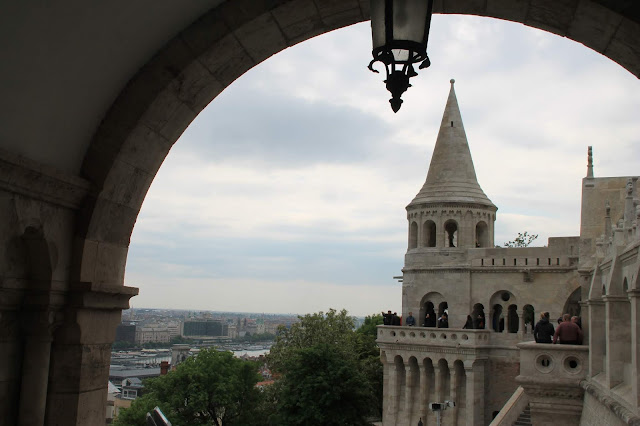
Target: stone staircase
point(524, 419)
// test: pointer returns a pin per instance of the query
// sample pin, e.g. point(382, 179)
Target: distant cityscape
point(149, 342)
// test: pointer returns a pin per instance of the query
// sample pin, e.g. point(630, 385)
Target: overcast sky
point(287, 194)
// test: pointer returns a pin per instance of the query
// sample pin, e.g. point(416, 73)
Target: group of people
point(430, 319)
point(568, 331)
point(474, 323)
point(391, 318)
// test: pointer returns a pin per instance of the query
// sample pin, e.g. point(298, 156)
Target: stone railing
point(512, 409)
point(428, 336)
point(451, 337)
point(551, 376)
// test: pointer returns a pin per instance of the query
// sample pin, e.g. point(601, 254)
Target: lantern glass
point(378, 33)
point(409, 20)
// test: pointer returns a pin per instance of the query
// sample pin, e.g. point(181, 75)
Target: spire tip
point(452, 81)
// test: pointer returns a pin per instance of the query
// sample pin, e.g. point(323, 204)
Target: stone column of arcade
point(597, 332)
point(474, 372)
point(437, 371)
point(424, 391)
point(617, 338)
point(391, 396)
point(35, 367)
point(634, 296)
point(409, 390)
point(454, 394)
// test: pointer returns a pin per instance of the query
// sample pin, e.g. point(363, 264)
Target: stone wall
point(500, 385)
point(594, 413)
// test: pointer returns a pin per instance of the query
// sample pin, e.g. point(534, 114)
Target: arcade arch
point(171, 88)
point(413, 235)
point(451, 233)
point(434, 305)
point(482, 234)
point(429, 233)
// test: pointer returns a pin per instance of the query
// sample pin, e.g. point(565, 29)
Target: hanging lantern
point(400, 31)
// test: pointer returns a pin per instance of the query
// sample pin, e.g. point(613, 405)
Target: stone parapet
point(551, 375)
point(428, 336)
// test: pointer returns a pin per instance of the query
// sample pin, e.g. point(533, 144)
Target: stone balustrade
point(429, 336)
point(448, 337)
point(551, 376)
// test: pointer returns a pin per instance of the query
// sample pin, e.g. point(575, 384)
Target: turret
point(451, 210)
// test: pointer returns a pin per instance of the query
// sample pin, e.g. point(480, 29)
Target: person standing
point(568, 332)
point(430, 318)
point(443, 321)
point(543, 331)
point(387, 319)
point(410, 321)
point(469, 323)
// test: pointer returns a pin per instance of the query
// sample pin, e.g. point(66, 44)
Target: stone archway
point(166, 95)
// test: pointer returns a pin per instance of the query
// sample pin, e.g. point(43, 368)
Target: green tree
point(522, 240)
point(332, 328)
point(370, 325)
point(335, 330)
point(322, 387)
point(212, 388)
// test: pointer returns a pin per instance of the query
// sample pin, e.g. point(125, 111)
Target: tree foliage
point(212, 388)
point(524, 239)
point(327, 341)
point(322, 387)
point(332, 328)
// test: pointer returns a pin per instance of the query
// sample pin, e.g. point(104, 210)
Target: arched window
point(497, 321)
point(513, 320)
point(482, 234)
point(429, 234)
point(443, 308)
point(451, 233)
point(477, 315)
point(529, 317)
point(413, 235)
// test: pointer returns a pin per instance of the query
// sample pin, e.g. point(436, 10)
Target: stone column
point(410, 393)
point(454, 395)
point(424, 393)
point(392, 394)
point(521, 326)
point(475, 393)
point(440, 232)
point(11, 350)
point(437, 371)
point(618, 337)
point(81, 353)
point(634, 295)
point(597, 332)
point(584, 315)
point(35, 366)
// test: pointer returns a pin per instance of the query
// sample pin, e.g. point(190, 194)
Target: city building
point(204, 328)
point(490, 368)
point(152, 334)
point(126, 333)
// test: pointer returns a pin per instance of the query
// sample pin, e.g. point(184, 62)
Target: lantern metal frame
point(398, 72)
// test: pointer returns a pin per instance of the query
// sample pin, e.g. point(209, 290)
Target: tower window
point(452, 124)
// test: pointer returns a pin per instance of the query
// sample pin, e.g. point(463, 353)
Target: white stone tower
point(450, 215)
point(451, 210)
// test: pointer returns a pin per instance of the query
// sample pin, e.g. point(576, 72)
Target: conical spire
point(452, 177)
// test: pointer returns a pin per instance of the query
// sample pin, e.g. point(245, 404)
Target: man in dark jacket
point(543, 331)
point(443, 321)
point(568, 332)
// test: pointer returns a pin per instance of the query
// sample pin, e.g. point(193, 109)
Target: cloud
point(288, 192)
